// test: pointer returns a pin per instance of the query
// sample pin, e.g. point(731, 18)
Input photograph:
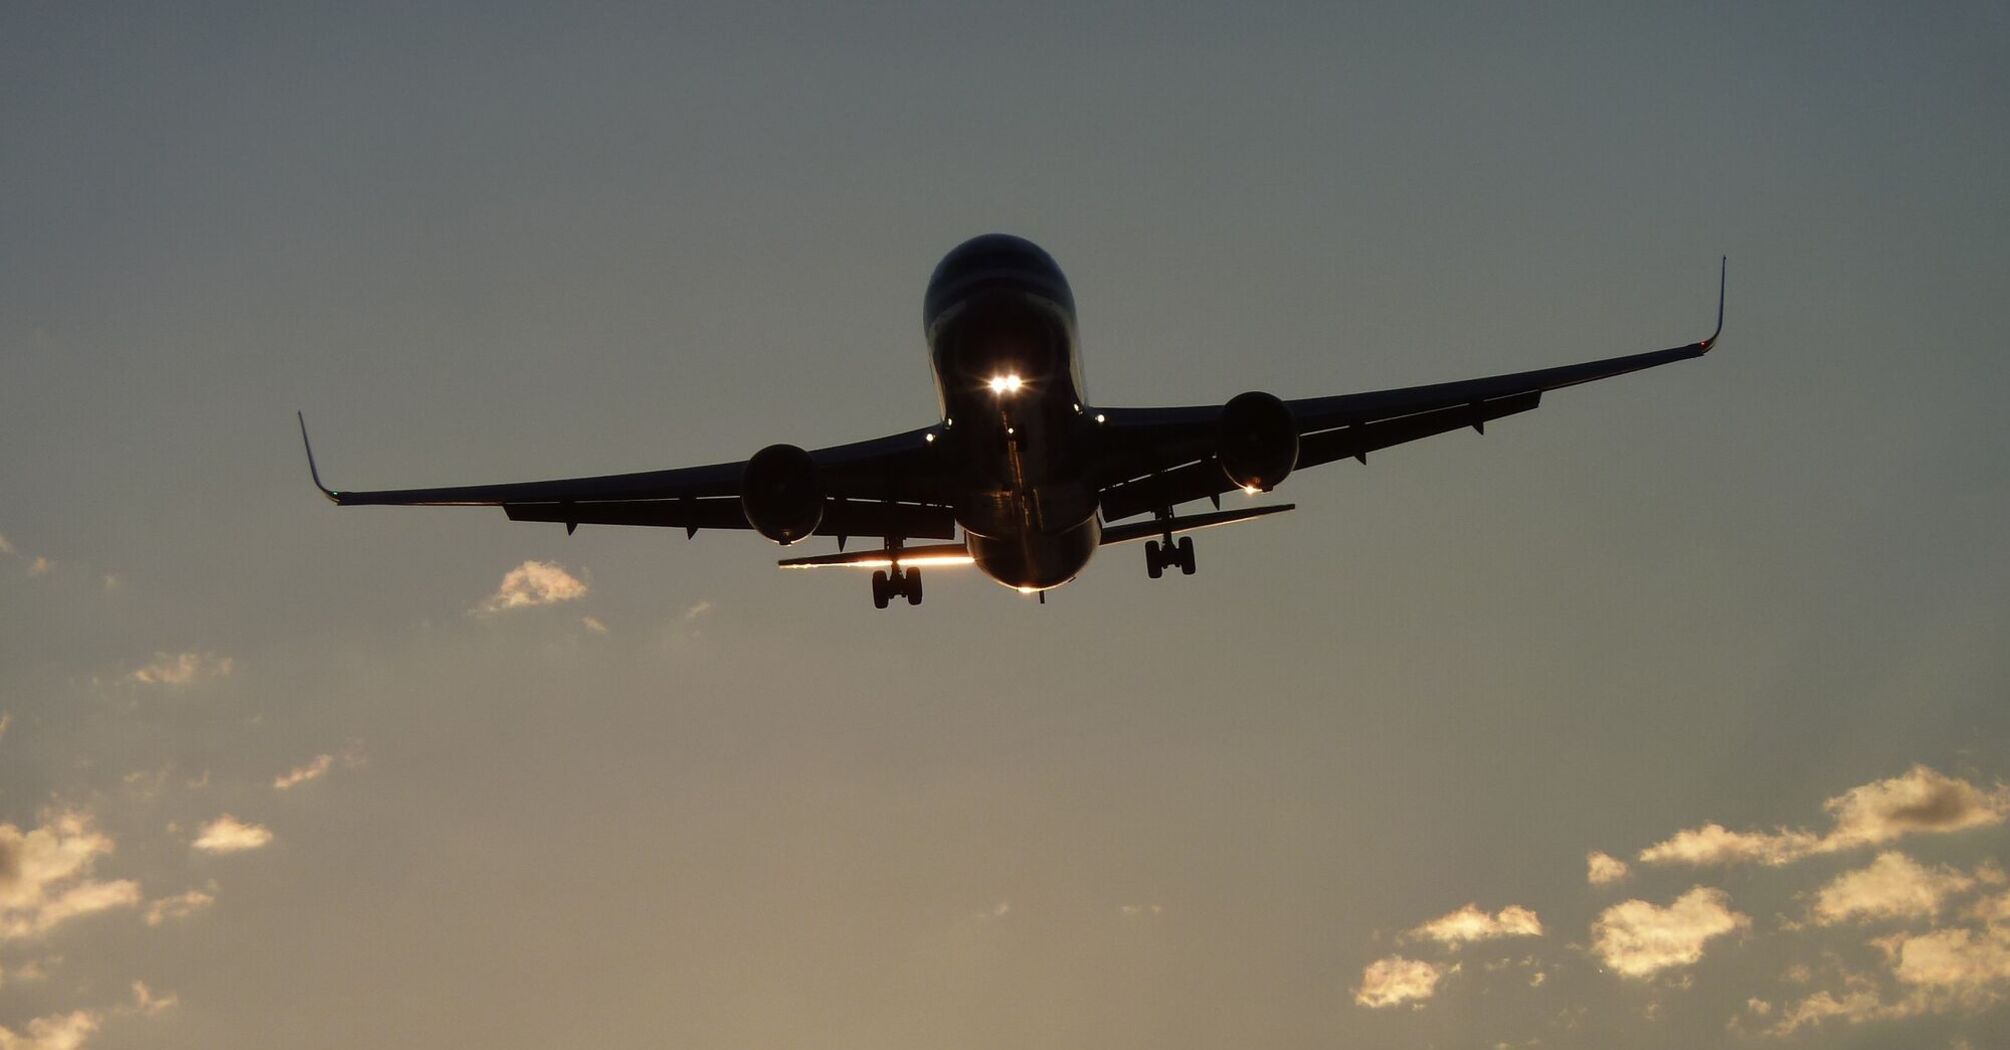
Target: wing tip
point(1723, 273)
point(313, 471)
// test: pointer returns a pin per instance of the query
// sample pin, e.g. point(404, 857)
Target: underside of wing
point(891, 486)
point(1155, 458)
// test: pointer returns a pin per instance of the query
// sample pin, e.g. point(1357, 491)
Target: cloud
point(1603, 869)
point(54, 1032)
point(227, 834)
point(45, 876)
point(1638, 939)
point(146, 1002)
point(1894, 886)
point(41, 566)
point(6, 719)
point(1920, 800)
point(1970, 966)
point(1472, 923)
point(1140, 909)
point(179, 906)
point(1396, 980)
point(313, 769)
point(532, 584)
point(697, 609)
point(179, 669)
point(1715, 844)
point(5, 547)
point(592, 623)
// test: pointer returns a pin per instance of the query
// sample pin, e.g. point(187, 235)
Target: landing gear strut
point(1157, 557)
point(902, 583)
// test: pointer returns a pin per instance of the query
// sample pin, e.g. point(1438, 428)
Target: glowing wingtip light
point(1007, 384)
point(1250, 490)
point(1029, 590)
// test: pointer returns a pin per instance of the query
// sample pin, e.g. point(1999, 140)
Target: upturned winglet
point(1723, 269)
point(313, 471)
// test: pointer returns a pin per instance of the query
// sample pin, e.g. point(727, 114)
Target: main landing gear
point(1157, 557)
point(902, 583)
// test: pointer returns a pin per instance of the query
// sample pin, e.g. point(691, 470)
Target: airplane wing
point(1156, 458)
point(889, 486)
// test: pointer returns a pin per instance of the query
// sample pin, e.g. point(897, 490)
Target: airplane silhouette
point(1034, 476)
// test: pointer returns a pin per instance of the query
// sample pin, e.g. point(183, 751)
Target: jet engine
point(1256, 440)
point(780, 495)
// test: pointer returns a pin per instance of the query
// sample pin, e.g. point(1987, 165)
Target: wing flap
point(841, 517)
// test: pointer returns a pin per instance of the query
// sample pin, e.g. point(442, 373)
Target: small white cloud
point(1397, 980)
point(180, 669)
point(54, 1032)
point(1603, 869)
point(1894, 886)
point(227, 834)
point(1919, 801)
point(1972, 966)
point(313, 769)
point(1716, 844)
point(592, 623)
point(6, 719)
point(995, 912)
point(179, 906)
point(146, 1002)
point(532, 584)
point(1638, 939)
point(697, 609)
point(1472, 923)
point(41, 566)
point(45, 875)
point(1135, 910)
point(5, 547)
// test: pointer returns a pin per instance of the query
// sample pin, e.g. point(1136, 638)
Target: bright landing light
point(1007, 384)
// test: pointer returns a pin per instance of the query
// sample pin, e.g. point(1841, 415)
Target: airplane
point(1035, 476)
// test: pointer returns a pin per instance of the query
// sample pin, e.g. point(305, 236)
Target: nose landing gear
point(1158, 557)
point(902, 583)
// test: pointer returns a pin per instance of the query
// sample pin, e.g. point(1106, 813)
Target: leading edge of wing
point(1325, 413)
point(714, 479)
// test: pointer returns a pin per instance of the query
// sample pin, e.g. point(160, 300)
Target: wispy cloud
point(1603, 869)
point(1472, 923)
point(1639, 939)
point(54, 1032)
point(532, 584)
point(592, 623)
point(146, 1001)
point(227, 834)
point(1894, 886)
point(5, 547)
point(312, 769)
point(179, 906)
point(41, 566)
point(1921, 800)
point(45, 875)
point(181, 669)
point(1395, 980)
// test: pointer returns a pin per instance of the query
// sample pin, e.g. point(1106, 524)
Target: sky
point(1669, 715)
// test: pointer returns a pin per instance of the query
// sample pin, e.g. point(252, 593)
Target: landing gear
point(1158, 556)
point(902, 583)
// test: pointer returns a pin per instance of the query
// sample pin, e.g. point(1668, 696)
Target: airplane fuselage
point(1000, 321)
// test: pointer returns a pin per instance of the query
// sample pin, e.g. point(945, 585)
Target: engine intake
point(1256, 440)
point(779, 494)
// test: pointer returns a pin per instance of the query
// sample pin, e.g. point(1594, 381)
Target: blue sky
point(676, 796)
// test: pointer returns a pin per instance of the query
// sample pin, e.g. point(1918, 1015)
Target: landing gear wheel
point(913, 586)
point(880, 590)
point(1153, 566)
point(1186, 555)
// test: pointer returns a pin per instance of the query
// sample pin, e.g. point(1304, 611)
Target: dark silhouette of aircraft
point(1034, 475)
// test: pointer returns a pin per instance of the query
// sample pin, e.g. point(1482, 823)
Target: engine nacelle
point(1256, 440)
point(780, 495)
